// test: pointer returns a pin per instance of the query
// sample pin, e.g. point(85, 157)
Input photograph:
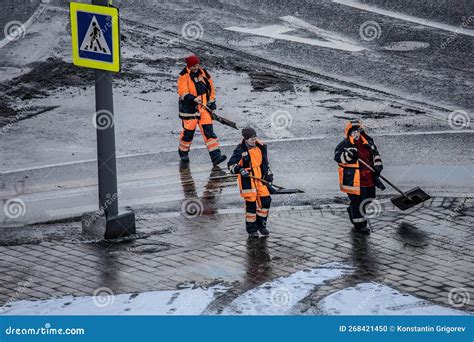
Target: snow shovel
point(221, 119)
point(407, 199)
point(276, 189)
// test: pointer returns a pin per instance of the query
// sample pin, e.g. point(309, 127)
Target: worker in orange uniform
point(196, 92)
point(355, 179)
point(250, 159)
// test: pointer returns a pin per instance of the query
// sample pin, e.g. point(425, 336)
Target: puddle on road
point(411, 236)
point(208, 203)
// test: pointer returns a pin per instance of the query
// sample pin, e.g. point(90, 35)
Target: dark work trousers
point(256, 213)
point(356, 212)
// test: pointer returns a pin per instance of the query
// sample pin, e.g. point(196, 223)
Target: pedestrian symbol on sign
point(94, 39)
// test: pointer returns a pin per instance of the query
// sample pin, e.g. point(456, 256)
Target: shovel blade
point(413, 197)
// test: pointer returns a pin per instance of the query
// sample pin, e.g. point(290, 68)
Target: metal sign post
point(96, 44)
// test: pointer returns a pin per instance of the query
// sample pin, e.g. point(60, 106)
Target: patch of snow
point(282, 294)
point(378, 299)
point(179, 302)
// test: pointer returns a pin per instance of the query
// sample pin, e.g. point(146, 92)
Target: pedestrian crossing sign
point(95, 36)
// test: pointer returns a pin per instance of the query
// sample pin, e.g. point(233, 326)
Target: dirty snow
point(174, 302)
point(378, 299)
point(279, 296)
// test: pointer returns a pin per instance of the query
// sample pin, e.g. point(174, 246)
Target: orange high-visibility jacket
point(188, 109)
point(254, 161)
point(349, 174)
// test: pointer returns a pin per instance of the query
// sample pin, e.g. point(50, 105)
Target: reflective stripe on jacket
point(349, 169)
point(255, 161)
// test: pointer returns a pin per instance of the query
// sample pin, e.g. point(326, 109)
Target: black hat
point(248, 132)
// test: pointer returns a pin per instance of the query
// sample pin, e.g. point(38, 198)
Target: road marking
point(332, 36)
point(228, 144)
point(278, 32)
point(456, 29)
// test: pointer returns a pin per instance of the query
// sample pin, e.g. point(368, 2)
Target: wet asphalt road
point(15, 10)
point(158, 183)
point(441, 163)
point(441, 73)
point(434, 74)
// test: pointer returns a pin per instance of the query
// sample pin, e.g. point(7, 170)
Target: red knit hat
point(192, 60)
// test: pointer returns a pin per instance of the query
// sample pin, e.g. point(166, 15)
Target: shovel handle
point(371, 168)
point(265, 182)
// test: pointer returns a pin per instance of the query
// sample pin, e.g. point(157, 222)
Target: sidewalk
point(426, 253)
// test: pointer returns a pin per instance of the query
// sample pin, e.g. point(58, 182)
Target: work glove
point(268, 177)
point(197, 100)
point(377, 170)
point(212, 105)
point(351, 153)
point(244, 173)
